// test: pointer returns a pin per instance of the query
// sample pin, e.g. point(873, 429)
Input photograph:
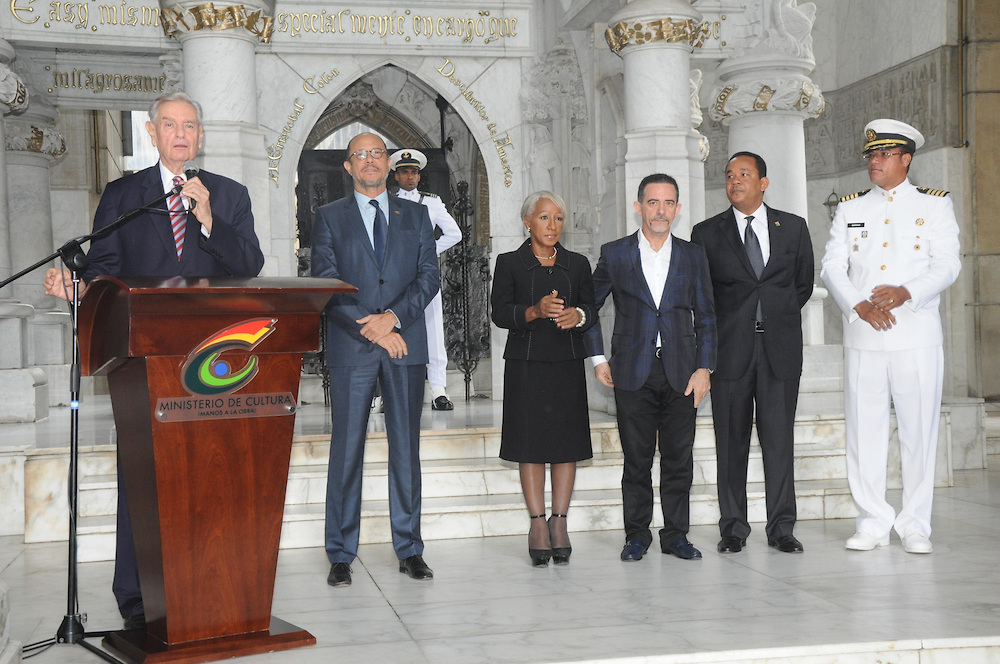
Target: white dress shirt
point(655, 266)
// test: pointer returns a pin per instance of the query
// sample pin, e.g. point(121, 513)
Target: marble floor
point(487, 604)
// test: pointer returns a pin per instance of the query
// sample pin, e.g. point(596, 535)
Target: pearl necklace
point(547, 258)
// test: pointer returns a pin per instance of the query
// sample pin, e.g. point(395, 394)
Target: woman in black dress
point(544, 295)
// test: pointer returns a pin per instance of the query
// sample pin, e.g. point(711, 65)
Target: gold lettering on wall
point(18, 6)
point(277, 149)
point(400, 26)
point(481, 26)
point(501, 142)
point(100, 82)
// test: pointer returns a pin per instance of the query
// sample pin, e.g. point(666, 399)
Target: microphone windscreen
point(190, 169)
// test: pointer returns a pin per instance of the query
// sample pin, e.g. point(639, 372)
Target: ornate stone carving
point(25, 137)
point(177, 20)
point(553, 84)
point(756, 95)
point(540, 158)
point(781, 26)
point(13, 92)
point(173, 67)
point(696, 80)
point(628, 33)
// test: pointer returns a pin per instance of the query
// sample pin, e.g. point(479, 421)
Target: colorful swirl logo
point(205, 374)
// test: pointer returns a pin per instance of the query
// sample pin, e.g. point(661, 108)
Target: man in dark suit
point(385, 246)
point(208, 233)
point(761, 261)
point(662, 352)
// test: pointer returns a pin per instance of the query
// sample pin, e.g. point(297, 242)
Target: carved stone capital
point(766, 94)
point(648, 31)
point(27, 137)
point(13, 91)
point(182, 19)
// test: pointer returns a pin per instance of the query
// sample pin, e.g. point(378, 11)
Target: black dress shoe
point(442, 403)
point(416, 568)
point(340, 574)
point(730, 544)
point(787, 544)
point(136, 621)
point(682, 548)
point(634, 550)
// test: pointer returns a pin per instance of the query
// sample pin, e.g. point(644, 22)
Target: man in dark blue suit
point(210, 234)
point(662, 353)
point(761, 261)
point(384, 246)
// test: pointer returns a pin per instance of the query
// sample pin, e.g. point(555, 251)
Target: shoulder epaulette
point(932, 192)
point(427, 193)
point(851, 197)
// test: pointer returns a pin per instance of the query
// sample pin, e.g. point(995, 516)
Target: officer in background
point(892, 250)
point(407, 164)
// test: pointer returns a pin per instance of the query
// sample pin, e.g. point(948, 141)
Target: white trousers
point(912, 381)
point(437, 357)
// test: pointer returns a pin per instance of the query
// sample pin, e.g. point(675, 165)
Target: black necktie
point(381, 228)
point(755, 255)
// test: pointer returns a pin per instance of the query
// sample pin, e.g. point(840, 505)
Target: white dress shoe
point(865, 542)
point(917, 543)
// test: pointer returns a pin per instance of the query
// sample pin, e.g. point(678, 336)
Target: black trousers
point(656, 409)
point(732, 412)
point(125, 584)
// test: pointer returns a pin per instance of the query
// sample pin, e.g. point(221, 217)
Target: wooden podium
point(204, 380)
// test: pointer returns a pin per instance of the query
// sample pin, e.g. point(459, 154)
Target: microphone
point(191, 171)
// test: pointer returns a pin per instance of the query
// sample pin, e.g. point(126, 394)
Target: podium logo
point(204, 373)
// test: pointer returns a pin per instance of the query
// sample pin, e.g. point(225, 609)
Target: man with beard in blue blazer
point(662, 353)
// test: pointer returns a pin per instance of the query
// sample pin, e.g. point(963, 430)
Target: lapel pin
point(777, 223)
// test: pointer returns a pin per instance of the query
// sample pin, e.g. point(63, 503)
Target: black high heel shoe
point(560, 554)
point(539, 557)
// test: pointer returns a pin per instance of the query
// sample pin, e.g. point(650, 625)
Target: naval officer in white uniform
point(892, 250)
point(407, 164)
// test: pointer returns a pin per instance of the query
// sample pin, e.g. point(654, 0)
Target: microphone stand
point(71, 629)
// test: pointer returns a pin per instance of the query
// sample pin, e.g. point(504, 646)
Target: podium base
point(139, 647)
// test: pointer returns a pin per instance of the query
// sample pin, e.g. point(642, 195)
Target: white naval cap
point(407, 157)
point(884, 134)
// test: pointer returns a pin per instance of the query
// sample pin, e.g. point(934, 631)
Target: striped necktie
point(178, 217)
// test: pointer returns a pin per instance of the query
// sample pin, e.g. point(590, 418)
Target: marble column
point(654, 39)
point(23, 391)
point(32, 143)
point(218, 41)
point(764, 96)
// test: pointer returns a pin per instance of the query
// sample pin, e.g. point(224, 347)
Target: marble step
point(503, 514)
point(474, 477)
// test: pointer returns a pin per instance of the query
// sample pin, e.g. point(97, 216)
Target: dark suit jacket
point(144, 247)
point(784, 287)
point(515, 289)
point(406, 282)
point(685, 316)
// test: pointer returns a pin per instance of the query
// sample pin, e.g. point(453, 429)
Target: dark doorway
point(322, 179)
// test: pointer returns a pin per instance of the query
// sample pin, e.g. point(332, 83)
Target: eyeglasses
point(880, 154)
point(363, 153)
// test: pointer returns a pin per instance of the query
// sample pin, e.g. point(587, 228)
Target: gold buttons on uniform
point(885, 244)
point(916, 247)
point(890, 199)
point(883, 267)
point(887, 221)
point(920, 222)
